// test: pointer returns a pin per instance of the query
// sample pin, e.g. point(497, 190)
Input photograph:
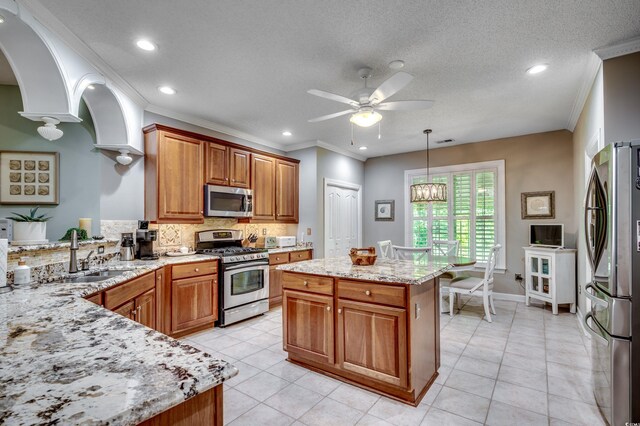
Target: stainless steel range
point(243, 275)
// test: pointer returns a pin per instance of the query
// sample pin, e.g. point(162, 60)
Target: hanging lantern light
point(428, 192)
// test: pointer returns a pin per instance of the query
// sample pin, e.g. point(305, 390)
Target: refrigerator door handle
point(596, 335)
point(594, 299)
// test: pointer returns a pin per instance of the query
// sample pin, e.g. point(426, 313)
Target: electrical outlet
point(309, 231)
point(518, 277)
point(100, 249)
point(264, 231)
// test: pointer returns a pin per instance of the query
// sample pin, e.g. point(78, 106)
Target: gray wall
point(537, 162)
point(308, 207)
point(80, 164)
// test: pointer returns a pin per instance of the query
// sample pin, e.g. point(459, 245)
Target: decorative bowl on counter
point(363, 256)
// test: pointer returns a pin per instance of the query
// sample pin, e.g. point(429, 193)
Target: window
point(473, 213)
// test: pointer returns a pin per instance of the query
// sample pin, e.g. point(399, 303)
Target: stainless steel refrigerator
point(612, 221)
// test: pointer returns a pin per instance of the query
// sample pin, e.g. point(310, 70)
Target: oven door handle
point(245, 266)
point(596, 335)
point(594, 299)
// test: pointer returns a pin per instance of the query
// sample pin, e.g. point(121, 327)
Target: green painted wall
point(79, 163)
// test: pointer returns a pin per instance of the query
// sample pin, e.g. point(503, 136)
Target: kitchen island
point(376, 327)
point(68, 361)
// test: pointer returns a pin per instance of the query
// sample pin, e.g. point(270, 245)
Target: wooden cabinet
point(95, 298)
point(239, 168)
point(194, 297)
point(308, 328)
point(135, 299)
point(386, 335)
point(263, 182)
point(275, 276)
point(287, 191)
point(227, 165)
point(372, 341)
point(174, 165)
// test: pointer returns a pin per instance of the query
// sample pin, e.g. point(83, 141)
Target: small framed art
point(385, 210)
point(29, 177)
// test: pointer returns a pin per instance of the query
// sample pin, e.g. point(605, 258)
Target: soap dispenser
point(22, 273)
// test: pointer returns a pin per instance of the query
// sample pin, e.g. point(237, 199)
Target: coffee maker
point(144, 241)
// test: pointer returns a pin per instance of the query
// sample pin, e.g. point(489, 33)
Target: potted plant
point(30, 229)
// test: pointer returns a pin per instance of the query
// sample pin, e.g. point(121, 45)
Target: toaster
point(286, 241)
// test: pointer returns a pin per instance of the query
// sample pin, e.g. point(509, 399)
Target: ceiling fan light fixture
point(365, 117)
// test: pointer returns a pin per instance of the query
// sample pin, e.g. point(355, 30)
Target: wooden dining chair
point(386, 252)
point(410, 253)
point(476, 286)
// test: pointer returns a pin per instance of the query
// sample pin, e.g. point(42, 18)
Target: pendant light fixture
point(428, 192)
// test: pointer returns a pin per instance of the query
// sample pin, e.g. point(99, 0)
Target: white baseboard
point(580, 318)
point(508, 296)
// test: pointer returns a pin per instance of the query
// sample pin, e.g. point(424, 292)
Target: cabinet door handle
point(226, 178)
point(139, 308)
point(340, 310)
point(133, 312)
point(367, 292)
point(328, 308)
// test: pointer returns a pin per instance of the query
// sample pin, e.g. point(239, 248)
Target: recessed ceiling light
point(396, 65)
point(286, 133)
point(91, 87)
point(537, 69)
point(167, 90)
point(1, 19)
point(145, 45)
point(362, 148)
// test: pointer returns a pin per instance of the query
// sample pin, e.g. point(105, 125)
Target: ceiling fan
point(368, 101)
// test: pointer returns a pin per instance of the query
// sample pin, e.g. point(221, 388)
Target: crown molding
point(201, 122)
point(327, 146)
point(50, 22)
point(588, 77)
point(618, 49)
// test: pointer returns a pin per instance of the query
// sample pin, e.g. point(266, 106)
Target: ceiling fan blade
point(333, 97)
point(405, 105)
point(390, 86)
point(330, 116)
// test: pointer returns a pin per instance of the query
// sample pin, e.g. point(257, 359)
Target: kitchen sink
point(107, 274)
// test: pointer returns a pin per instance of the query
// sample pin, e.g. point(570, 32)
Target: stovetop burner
point(227, 243)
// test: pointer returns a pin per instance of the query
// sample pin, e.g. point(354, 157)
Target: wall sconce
point(124, 158)
point(49, 131)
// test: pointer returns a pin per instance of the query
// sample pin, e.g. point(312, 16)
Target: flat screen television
point(547, 235)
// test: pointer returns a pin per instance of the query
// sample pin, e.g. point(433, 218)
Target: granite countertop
point(65, 360)
point(58, 245)
point(384, 270)
point(288, 249)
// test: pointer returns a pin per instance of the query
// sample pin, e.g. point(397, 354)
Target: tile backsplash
point(173, 236)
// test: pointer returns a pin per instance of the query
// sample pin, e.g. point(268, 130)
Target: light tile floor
point(528, 367)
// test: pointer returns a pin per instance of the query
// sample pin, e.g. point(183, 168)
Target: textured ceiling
point(248, 64)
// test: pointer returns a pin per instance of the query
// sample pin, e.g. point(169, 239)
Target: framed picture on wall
point(29, 177)
point(385, 210)
point(538, 205)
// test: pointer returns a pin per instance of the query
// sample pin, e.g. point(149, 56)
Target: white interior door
point(342, 217)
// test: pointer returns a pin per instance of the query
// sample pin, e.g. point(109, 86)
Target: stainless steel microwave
point(226, 201)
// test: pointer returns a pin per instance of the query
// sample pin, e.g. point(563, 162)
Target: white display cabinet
point(550, 276)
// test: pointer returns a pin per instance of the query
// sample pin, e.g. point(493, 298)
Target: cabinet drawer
point(193, 270)
point(310, 283)
point(278, 258)
point(96, 298)
point(373, 293)
point(298, 256)
point(127, 291)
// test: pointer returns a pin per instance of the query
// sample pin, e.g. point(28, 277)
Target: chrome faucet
point(84, 263)
point(73, 255)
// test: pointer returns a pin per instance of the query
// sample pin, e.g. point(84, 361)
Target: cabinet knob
point(368, 293)
point(328, 308)
point(340, 310)
point(134, 312)
point(197, 269)
point(277, 258)
point(233, 180)
point(226, 178)
point(306, 283)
